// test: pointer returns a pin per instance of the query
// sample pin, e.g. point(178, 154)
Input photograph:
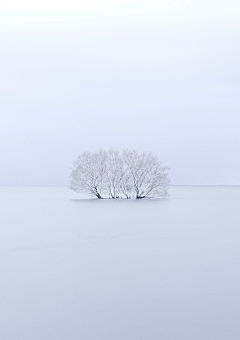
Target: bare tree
point(89, 173)
point(130, 175)
point(149, 178)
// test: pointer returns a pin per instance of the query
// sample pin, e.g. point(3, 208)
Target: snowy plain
point(86, 269)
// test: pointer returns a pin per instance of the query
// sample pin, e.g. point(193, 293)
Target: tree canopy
point(114, 174)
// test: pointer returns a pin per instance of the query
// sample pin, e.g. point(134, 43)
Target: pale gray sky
point(160, 76)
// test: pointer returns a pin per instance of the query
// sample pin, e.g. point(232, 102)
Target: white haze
point(119, 269)
point(159, 76)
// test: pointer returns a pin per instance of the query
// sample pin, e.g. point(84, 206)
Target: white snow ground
point(76, 269)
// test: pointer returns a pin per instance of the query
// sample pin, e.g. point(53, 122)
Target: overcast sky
point(160, 76)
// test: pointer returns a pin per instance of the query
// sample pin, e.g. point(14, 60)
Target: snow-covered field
point(80, 269)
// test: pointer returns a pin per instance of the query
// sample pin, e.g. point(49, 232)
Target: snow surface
point(80, 269)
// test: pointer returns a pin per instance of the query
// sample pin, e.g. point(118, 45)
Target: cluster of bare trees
point(114, 174)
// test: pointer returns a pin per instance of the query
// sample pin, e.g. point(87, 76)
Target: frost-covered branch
point(116, 175)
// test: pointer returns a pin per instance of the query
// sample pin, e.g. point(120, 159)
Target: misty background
point(160, 76)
